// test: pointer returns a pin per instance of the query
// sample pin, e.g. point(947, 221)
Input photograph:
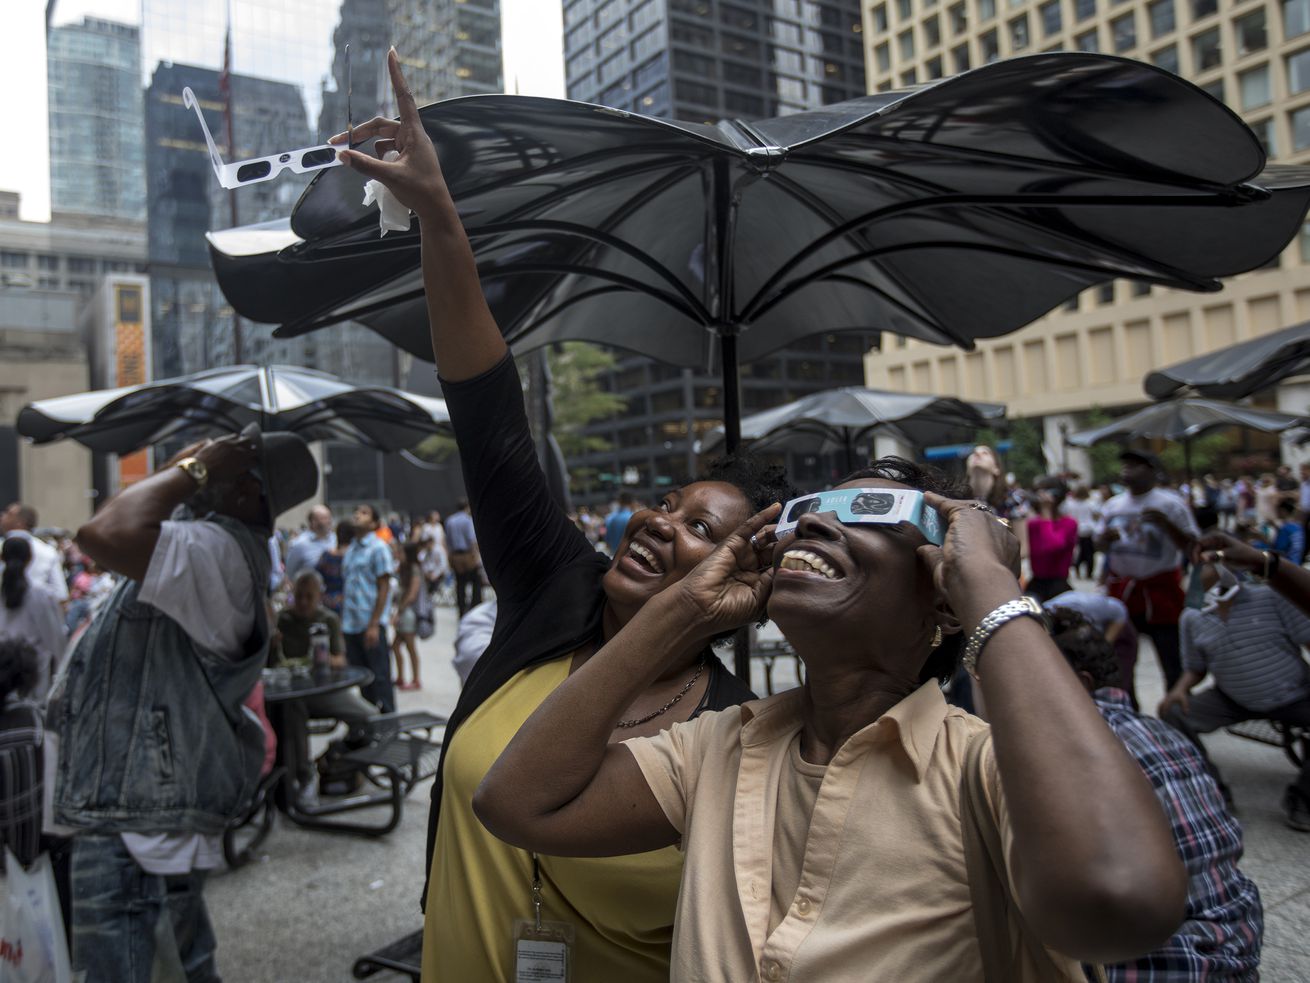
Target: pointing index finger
point(404, 98)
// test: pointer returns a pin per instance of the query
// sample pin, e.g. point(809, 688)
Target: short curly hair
point(944, 660)
point(1085, 648)
point(761, 482)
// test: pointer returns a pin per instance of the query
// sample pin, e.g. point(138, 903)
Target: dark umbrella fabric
point(1239, 370)
point(315, 405)
point(838, 419)
point(952, 212)
point(1184, 419)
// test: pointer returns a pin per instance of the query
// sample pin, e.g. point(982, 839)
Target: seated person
point(822, 827)
point(1248, 638)
point(291, 642)
point(1110, 617)
point(1220, 939)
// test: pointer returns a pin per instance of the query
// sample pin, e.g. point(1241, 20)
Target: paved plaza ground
point(312, 902)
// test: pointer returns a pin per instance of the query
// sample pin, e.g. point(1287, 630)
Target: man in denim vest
point(156, 752)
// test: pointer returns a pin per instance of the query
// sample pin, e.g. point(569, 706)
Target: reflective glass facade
point(97, 156)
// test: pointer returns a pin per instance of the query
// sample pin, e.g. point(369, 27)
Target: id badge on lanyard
point(543, 951)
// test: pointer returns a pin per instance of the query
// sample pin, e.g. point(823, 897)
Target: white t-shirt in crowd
point(39, 621)
point(1082, 511)
point(47, 566)
point(199, 578)
point(1144, 549)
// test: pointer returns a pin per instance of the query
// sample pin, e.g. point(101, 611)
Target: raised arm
point(561, 787)
point(122, 536)
point(1095, 868)
point(465, 338)
point(1290, 580)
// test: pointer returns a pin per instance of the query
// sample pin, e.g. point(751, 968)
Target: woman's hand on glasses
point(977, 564)
point(414, 177)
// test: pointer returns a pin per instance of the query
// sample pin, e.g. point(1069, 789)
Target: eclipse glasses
point(257, 169)
point(867, 506)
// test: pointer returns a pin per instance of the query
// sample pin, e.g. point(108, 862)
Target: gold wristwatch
point(195, 470)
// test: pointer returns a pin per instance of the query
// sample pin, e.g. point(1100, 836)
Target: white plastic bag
point(33, 947)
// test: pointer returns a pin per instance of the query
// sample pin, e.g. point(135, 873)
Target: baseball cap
point(1143, 457)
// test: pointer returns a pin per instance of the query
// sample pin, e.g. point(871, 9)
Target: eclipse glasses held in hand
point(303, 161)
point(244, 172)
point(872, 506)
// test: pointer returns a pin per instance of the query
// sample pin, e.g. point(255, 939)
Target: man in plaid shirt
point(1221, 936)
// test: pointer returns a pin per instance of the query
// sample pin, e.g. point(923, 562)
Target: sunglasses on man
point(257, 169)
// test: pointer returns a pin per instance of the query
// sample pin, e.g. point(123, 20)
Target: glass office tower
point(96, 151)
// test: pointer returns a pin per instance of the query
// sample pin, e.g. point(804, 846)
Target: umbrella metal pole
point(731, 391)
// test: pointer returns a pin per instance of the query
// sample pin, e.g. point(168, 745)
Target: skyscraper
point(705, 60)
point(96, 122)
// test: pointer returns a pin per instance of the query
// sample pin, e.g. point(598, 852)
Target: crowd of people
point(612, 802)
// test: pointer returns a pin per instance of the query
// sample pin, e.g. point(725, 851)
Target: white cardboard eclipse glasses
point(860, 506)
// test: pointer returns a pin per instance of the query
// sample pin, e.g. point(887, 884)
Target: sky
point(532, 48)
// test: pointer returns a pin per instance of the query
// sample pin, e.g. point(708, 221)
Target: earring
point(937, 637)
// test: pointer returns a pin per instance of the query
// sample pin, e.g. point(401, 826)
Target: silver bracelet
point(1024, 607)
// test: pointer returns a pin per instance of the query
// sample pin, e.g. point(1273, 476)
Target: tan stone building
point(1094, 351)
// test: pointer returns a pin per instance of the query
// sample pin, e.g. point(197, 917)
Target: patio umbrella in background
point(950, 212)
point(838, 419)
point(1184, 420)
point(316, 405)
point(1237, 371)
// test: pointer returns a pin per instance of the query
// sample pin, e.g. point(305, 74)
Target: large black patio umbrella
point(1184, 420)
point(316, 405)
point(838, 419)
point(1239, 370)
point(959, 210)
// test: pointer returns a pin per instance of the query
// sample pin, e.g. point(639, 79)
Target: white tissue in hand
point(392, 215)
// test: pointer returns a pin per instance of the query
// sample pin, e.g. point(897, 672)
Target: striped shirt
point(1254, 655)
point(20, 778)
point(1221, 934)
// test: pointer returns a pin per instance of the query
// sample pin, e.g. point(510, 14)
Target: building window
point(905, 42)
point(1205, 50)
point(1166, 58)
point(1254, 86)
point(989, 47)
point(959, 19)
point(933, 68)
point(1301, 129)
point(1203, 8)
point(79, 264)
point(1141, 289)
point(986, 10)
point(1298, 72)
point(1124, 32)
point(1305, 242)
point(1071, 304)
point(960, 58)
point(1084, 9)
point(882, 57)
point(1264, 132)
point(1105, 293)
point(1214, 89)
point(1162, 17)
point(1296, 17)
point(47, 262)
point(1019, 33)
point(1088, 41)
point(932, 32)
point(1052, 20)
point(904, 10)
point(1251, 32)
point(15, 261)
point(909, 77)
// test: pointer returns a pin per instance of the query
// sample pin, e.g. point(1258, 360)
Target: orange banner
point(130, 367)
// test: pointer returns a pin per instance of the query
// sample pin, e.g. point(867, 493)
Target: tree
point(1105, 455)
point(575, 367)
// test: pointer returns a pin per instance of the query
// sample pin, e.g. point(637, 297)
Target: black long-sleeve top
point(546, 575)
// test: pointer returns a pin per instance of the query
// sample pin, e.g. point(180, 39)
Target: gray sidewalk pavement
point(311, 903)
